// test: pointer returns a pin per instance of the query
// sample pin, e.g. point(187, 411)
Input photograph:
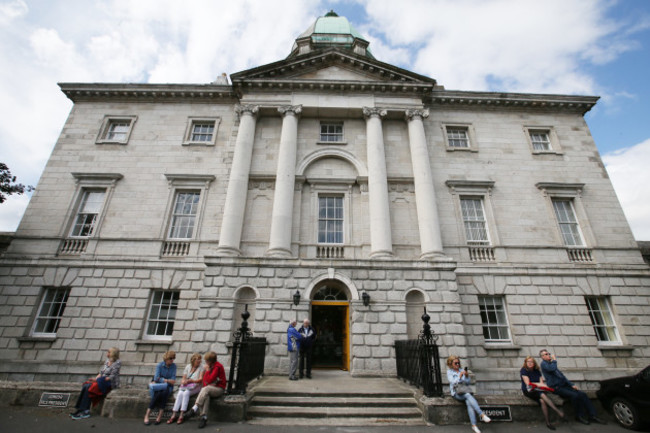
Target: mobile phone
point(465, 369)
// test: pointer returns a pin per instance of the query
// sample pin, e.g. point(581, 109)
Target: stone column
point(381, 245)
point(425, 196)
point(285, 179)
point(233, 211)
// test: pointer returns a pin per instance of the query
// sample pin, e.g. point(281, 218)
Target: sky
point(586, 47)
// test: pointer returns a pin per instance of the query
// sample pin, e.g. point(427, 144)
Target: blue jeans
point(579, 400)
point(472, 406)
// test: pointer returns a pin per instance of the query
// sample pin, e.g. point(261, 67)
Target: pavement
point(53, 420)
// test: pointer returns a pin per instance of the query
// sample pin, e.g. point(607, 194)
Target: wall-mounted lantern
point(296, 298)
point(366, 298)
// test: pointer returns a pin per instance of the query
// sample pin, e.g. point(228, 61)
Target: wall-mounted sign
point(498, 413)
point(54, 399)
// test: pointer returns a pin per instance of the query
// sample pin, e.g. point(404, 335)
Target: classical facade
point(363, 191)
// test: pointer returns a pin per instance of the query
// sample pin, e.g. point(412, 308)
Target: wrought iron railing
point(247, 360)
point(418, 361)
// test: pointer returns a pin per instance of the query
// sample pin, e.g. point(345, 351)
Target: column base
point(228, 252)
point(435, 256)
point(381, 255)
point(279, 253)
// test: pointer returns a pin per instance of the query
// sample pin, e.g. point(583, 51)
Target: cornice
point(78, 92)
point(517, 101)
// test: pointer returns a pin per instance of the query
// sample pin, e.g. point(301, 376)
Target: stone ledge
point(126, 402)
point(446, 410)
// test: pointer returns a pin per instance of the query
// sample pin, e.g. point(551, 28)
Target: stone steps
point(338, 408)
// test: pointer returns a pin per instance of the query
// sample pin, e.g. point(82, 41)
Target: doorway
point(331, 348)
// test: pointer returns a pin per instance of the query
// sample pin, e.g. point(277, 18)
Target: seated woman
point(161, 386)
point(93, 390)
point(191, 384)
point(533, 386)
point(456, 376)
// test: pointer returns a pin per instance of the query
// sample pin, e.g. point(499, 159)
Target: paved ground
point(46, 420)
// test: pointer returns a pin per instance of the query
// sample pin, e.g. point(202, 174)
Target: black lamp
point(366, 298)
point(296, 298)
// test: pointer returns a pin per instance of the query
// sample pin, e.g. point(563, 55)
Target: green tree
point(8, 185)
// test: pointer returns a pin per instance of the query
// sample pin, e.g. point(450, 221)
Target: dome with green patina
point(328, 31)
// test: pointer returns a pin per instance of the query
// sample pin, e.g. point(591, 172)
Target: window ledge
point(332, 142)
point(461, 149)
point(606, 347)
point(155, 342)
point(547, 152)
point(103, 141)
point(199, 143)
point(36, 339)
point(501, 346)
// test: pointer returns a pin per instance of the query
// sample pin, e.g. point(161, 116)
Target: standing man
point(293, 347)
point(214, 386)
point(306, 347)
point(585, 411)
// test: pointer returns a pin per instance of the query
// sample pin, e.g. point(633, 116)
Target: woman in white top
point(457, 376)
point(190, 385)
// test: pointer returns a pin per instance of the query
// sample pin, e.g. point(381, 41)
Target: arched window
point(330, 293)
point(243, 298)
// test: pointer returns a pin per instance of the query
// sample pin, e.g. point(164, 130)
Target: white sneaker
point(485, 418)
point(475, 429)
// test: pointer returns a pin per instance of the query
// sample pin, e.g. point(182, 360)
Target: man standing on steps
point(306, 347)
point(293, 347)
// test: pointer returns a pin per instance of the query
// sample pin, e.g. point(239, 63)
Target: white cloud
point(11, 10)
point(12, 211)
point(628, 171)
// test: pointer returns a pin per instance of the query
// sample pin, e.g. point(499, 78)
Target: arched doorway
point(330, 316)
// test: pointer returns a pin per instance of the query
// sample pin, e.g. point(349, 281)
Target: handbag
point(189, 386)
point(462, 388)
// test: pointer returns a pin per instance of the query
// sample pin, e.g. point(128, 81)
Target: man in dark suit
point(306, 347)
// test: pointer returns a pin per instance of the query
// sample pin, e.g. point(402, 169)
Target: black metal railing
point(247, 360)
point(418, 361)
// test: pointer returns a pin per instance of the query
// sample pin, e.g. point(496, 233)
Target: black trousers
point(305, 361)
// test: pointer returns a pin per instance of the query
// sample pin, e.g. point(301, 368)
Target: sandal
point(180, 420)
point(171, 420)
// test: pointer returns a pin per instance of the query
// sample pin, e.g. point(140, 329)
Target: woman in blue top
point(455, 376)
point(162, 386)
point(531, 378)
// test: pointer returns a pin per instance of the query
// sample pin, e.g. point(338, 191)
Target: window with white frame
point(331, 132)
point(602, 319)
point(183, 218)
point(457, 137)
point(116, 129)
point(201, 131)
point(330, 219)
point(473, 213)
point(162, 314)
point(540, 140)
point(48, 318)
point(494, 319)
point(87, 216)
point(566, 219)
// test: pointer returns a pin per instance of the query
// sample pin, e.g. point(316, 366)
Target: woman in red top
point(214, 386)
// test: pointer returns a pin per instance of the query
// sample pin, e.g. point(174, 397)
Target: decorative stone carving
point(373, 111)
point(416, 112)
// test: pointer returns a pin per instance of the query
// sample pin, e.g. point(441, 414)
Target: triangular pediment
point(332, 65)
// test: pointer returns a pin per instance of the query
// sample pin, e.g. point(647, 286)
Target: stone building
point(166, 209)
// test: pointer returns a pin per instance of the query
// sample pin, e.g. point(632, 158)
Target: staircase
point(333, 398)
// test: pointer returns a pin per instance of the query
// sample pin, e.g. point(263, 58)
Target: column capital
point(247, 108)
point(290, 109)
point(416, 112)
point(370, 112)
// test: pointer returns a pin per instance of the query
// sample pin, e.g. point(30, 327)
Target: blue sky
point(592, 47)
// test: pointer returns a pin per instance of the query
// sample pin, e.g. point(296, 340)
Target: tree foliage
point(8, 185)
